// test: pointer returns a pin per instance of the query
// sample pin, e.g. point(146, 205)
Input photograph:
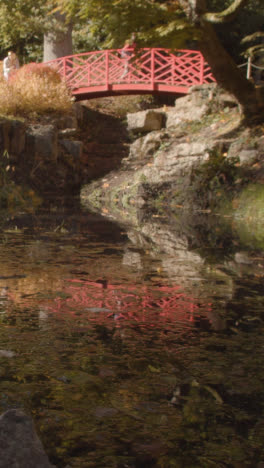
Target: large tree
point(171, 23)
point(225, 70)
point(58, 40)
point(24, 23)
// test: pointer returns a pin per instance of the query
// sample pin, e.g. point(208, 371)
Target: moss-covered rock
point(249, 215)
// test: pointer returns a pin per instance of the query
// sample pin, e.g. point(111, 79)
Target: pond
point(130, 347)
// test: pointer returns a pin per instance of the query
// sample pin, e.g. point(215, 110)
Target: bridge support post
point(202, 69)
point(64, 68)
point(107, 69)
point(249, 67)
point(152, 69)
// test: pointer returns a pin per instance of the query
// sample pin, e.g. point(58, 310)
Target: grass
point(34, 90)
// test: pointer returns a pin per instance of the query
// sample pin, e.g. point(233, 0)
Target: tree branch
point(226, 15)
point(193, 9)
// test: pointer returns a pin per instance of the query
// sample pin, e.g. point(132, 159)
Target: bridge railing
point(144, 66)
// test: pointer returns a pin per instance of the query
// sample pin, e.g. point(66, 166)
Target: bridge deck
point(148, 71)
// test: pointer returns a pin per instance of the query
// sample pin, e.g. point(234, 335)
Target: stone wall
point(43, 154)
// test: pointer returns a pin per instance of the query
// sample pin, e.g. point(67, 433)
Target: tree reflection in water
point(119, 356)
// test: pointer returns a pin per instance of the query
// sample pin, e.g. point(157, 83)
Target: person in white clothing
point(127, 52)
point(10, 64)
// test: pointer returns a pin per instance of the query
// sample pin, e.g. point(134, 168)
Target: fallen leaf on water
point(214, 393)
point(77, 396)
point(156, 278)
point(235, 203)
point(102, 412)
point(153, 369)
point(6, 353)
point(13, 231)
point(97, 309)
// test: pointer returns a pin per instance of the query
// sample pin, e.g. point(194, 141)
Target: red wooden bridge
point(145, 71)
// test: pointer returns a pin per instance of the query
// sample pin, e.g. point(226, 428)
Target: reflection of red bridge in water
point(100, 300)
point(148, 71)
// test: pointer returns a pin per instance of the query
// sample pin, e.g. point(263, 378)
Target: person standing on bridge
point(127, 52)
point(10, 64)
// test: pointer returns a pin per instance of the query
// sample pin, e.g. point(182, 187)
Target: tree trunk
point(58, 43)
point(227, 74)
point(224, 69)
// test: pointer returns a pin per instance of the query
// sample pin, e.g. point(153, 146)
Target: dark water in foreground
point(132, 350)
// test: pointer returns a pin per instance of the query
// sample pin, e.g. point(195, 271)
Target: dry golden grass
point(34, 90)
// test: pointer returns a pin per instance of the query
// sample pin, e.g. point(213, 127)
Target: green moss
point(94, 197)
point(196, 126)
point(251, 203)
point(249, 215)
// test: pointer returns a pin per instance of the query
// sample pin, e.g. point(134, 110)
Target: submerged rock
point(19, 444)
point(6, 353)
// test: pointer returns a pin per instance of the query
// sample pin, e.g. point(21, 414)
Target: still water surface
point(131, 349)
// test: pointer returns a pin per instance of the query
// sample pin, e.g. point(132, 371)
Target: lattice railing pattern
point(138, 303)
point(146, 67)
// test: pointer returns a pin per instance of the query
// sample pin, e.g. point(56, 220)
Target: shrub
point(34, 89)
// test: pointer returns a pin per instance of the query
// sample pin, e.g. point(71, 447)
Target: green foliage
point(82, 38)
point(249, 215)
point(218, 165)
point(100, 23)
point(249, 20)
point(156, 23)
point(22, 25)
point(160, 23)
point(255, 51)
point(213, 179)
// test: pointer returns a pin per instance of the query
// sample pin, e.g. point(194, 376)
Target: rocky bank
point(196, 156)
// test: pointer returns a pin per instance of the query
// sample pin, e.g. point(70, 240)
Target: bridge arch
point(147, 71)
